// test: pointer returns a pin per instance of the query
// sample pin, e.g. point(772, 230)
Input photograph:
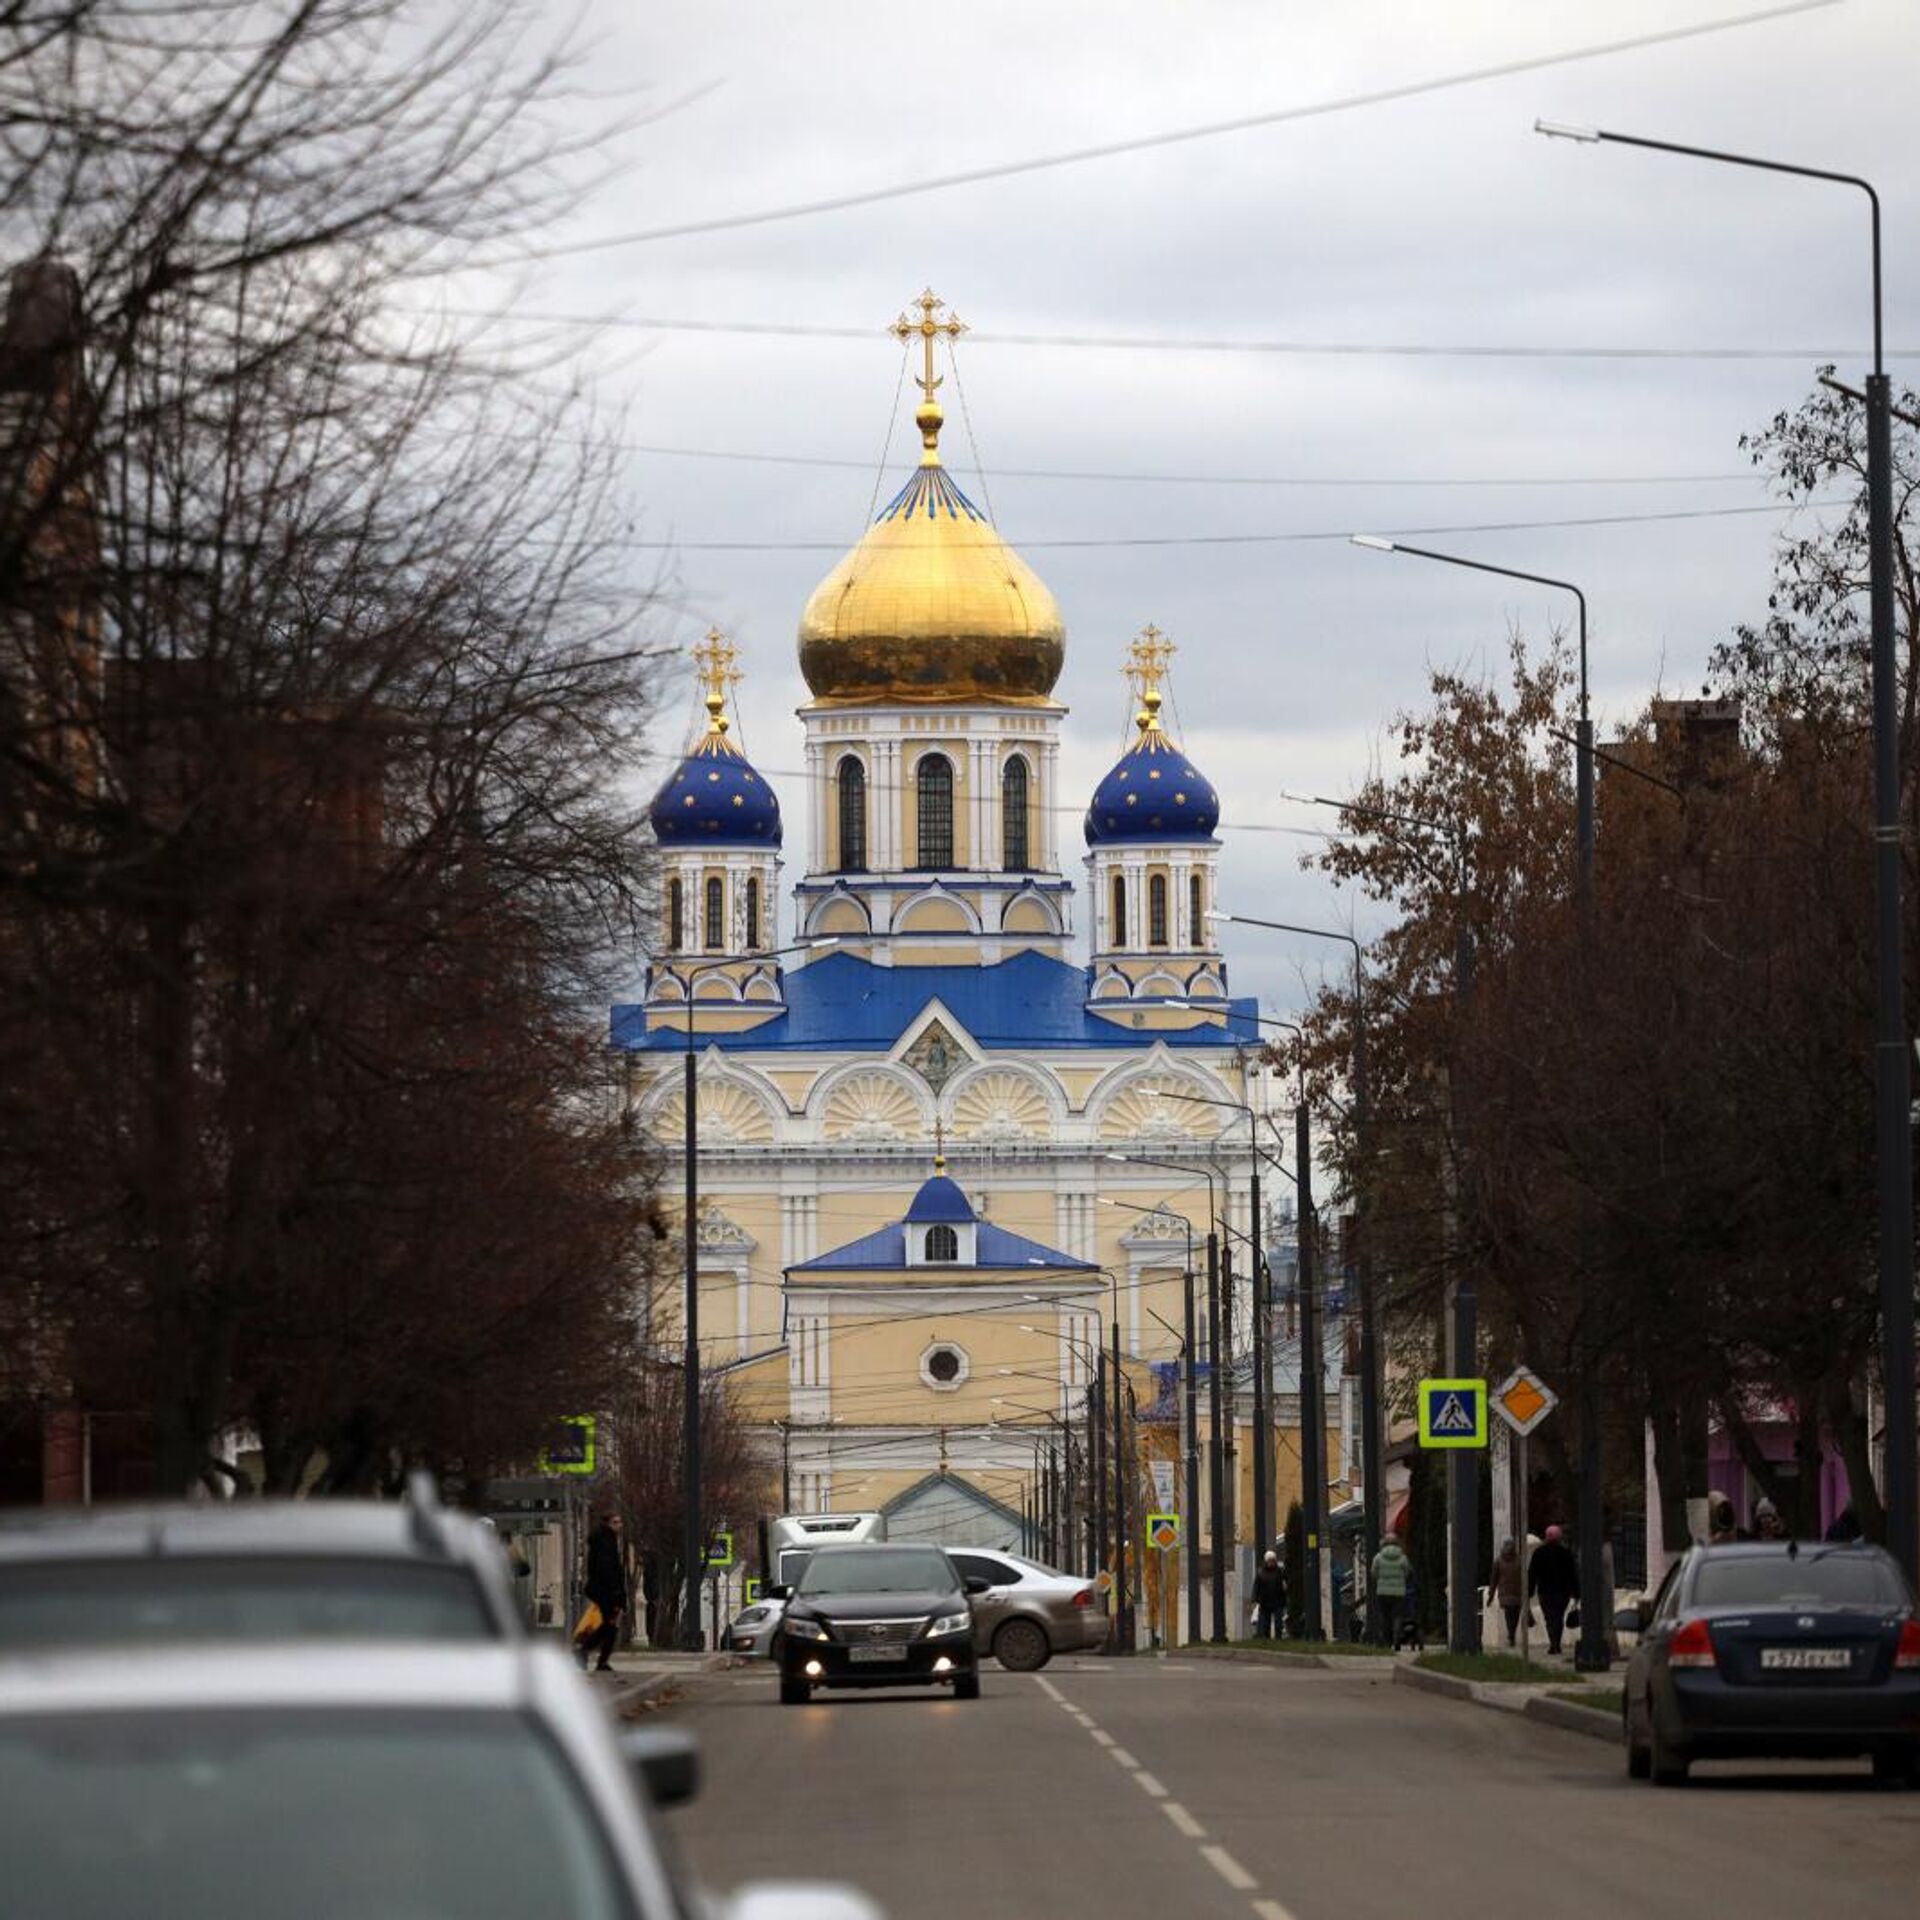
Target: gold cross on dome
point(1146, 665)
point(713, 660)
point(929, 329)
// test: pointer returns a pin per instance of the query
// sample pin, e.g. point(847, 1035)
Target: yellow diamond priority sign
point(1523, 1400)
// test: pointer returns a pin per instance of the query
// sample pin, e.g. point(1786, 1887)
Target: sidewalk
point(646, 1676)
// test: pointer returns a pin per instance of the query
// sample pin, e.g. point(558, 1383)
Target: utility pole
point(1216, 1457)
point(1262, 1362)
point(1313, 1418)
point(1123, 1613)
point(1191, 1415)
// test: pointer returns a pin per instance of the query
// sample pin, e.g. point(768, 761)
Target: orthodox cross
point(713, 660)
point(929, 329)
point(1146, 666)
point(939, 1148)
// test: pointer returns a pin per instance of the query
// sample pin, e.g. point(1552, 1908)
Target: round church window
point(943, 1367)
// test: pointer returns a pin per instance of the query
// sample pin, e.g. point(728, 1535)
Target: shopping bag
point(590, 1622)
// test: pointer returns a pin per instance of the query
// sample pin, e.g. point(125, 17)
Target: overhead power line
point(1177, 136)
point(1260, 539)
point(1190, 343)
point(1747, 477)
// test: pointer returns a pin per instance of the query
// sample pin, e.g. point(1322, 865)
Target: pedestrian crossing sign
point(1453, 1413)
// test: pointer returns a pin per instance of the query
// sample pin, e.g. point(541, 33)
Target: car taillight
point(1907, 1654)
point(1084, 1598)
point(1692, 1646)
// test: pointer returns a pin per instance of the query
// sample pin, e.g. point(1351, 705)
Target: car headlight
point(752, 1617)
point(804, 1629)
point(950, 1623)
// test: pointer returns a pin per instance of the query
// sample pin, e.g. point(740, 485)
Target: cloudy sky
point(1437, 220)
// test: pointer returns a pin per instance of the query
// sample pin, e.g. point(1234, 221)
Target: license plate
point(1804, 1659)
point(873, 1656)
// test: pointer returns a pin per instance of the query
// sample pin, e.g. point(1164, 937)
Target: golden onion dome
point(932, 605)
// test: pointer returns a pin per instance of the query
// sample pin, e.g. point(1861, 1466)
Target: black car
point(877, 1616)
point(1782, 1649)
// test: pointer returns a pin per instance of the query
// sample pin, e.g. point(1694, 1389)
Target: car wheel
point(794, 1692)
point(1901, 1765)
point(1022, 1646)
point(966, 1686)
point(1639, 1756)
point(1668, 1768)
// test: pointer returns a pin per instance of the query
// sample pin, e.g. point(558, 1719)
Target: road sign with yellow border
point(1163, 1530)
point(720, 1551)
point(1453, 1413)
point(572, 1448)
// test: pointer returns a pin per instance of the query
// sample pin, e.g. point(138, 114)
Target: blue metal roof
point(843, 1003)
point(940, 1201)
point(994, 1246)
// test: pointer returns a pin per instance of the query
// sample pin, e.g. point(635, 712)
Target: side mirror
point(973, 1585)
point(776, 1592)
point(666, 1762)
point(1633, 1618)
point(799, 1900)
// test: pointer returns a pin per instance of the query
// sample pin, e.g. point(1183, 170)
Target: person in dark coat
point(1554, 1575)
point(607, 1589)
point(1270, 1599)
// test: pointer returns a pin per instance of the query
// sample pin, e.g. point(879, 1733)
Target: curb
point(1500, 1696)
point(1250, 1656)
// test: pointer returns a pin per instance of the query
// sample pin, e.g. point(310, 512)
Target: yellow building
point(1092, 1108)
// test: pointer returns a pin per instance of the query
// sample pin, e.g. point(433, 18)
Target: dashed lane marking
point(1183, 1820)
point(1150, 1786)
point(1125, 1758)
point(1272, 1910)
point(1104, 1739)
point(1228, 1868)
point(1051, 1691)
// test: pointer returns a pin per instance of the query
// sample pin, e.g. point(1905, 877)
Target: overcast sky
point(1440, 220)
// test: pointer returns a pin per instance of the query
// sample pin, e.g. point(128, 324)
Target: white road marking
point(1149, 1785)
point(1105, 1739)
point(1272, 1910)
point(1125, 1758)
point(1183, 1820)
point(1050, 1690)
point(1228, 1868)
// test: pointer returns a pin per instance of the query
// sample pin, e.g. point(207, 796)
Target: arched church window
point(851, 779)
point(676, 916)
point(1013, 816)
point(752, 915)
point(714, 932)
point(1157, 910)
point(942, 1244)
point(1117, 932)
point(933, 779)
point(1196, 912)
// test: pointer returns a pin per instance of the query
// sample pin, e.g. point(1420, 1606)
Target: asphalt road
point(1186, 1790)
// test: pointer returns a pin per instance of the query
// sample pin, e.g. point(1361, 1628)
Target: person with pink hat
point(1553, 1575)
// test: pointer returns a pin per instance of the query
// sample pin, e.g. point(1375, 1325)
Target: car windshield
point(1833, 1579)
point(111, 1602)
point(307, 1815)
point(877, 1570)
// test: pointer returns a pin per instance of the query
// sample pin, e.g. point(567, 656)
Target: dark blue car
point(1783, 1649)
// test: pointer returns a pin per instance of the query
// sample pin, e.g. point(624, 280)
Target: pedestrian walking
point(1767, 1524)
point(1554, 1575)
point(1390, 1576)
point(1720, 1527)
point(1508, 1585)
point(606, 1589)
point(1270, 1599)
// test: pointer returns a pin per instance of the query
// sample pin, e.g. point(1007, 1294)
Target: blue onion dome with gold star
point(714, 797)
point(1153, 791)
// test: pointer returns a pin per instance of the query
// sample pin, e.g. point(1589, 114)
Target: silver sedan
point(1030, 1611)
point(752, 1629)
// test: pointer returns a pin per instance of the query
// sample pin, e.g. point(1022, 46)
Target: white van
point(790, 1539)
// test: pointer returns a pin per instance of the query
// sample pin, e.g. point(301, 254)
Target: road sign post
point(1523, 1400)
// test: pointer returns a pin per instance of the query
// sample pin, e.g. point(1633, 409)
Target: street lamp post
point(693, 1637)
point(1190, 1419)
point(1893, 1140)
point(1216, 1461)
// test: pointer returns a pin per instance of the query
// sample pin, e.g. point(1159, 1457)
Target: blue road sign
point(1453, 1413)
